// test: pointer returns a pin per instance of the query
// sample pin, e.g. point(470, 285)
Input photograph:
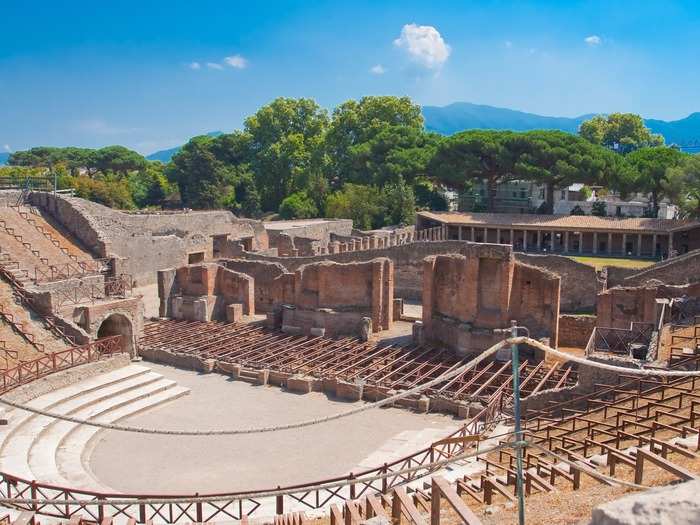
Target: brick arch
point(118, 324)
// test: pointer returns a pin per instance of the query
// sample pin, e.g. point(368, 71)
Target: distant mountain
point(3, 158)
point(464, 115)
point(166, 154)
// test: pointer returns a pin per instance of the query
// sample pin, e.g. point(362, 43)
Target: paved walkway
point(164, 464)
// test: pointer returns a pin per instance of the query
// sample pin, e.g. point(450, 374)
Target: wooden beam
point(442, 488)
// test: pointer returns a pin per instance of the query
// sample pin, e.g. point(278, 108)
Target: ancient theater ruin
point(193, 366)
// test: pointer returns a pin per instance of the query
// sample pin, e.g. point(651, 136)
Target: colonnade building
point(636, 237)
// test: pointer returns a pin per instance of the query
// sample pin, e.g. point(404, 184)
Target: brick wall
point(579, 282)
point(466, 297)
point(575, 330)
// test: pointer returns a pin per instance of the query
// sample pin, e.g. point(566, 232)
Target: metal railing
point(243, 504)
point(119, 286)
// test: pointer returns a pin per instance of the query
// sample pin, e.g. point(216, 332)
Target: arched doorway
point(118, 324)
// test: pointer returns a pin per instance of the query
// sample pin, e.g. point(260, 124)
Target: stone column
point(639, 245)
point(539, 240)
point(670, 243)
point(653, 246)
point(524, 240)
point(512, 237)
point(609, 243)
point(624, 244)
point(459, 232)
point(580, 242)
point(472, 234)
point(595, 243)
point(566, 242)
point(498, 236)
point(551, 241)
point(486, 235)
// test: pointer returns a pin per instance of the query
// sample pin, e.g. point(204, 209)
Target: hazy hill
point(464, 115)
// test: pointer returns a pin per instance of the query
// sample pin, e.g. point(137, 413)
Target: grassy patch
point(600, 262)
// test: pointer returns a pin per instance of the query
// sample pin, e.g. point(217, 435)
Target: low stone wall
point(407, 259)
point(64, 378)
point(579, 282)
point(147, 242)
point(683, 269)
point(575, 330)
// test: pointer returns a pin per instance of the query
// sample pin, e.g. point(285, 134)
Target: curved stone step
point(43, 455)
point(32, 430)
point(73, 457)
point(15, 417)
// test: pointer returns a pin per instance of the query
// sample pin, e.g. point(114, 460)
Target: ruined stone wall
point(580, 283)
point(321, 230)
point(678, 270)
point(273, 284)
point(147, 242)
point(534, 301)
point(575, 330)
point(618, 307)
point(466, 297)
point(407, 259)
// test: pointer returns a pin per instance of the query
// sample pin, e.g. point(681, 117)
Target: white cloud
point(7, 148)
point(194, 65)
point(377, 70)
point(214, 65)
point(593, 40)
point(424, 45)
point(236, 61)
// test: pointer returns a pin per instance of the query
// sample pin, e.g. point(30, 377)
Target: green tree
point(558, 159)
point(204, 181)
point(362, 204)
point(399, 203)
point(395, 152)
point(477, 154)
point(117, 159)
point(651, 166)
point(286, 147)
point(356, 122)
point(623, 132)
point(149, 186)
point(577, 210)
point(681, 185)
point(599, 209)
point(298, 206)
point(428, 195)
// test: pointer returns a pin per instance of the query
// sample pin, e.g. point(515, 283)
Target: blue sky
point(151, 74)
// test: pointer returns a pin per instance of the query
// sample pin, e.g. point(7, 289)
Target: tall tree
point(682, 186)
point(286, 147)
point(395, 152)
point(622, 132)
point(476, 154)
point(651, 165)
point(558, 159)
point(356, 122)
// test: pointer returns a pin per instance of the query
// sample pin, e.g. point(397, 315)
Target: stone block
point(262, 376)
point(291, 330)
point(200, 310)
point(418, 333)
point(278, 378)
point(423, 404)
point(234, 313)
point(348, 391)
point(300, 384)
point(317, 331)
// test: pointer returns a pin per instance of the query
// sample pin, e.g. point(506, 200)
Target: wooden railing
point(28, 371)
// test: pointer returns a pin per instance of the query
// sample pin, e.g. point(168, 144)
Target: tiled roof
point(568, 222)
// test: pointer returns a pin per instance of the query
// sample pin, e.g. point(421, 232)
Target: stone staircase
point(35, 447)
point(32, 248)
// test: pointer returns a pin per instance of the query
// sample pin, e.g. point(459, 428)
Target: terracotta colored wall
point(466, 297)
point(618, 307)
